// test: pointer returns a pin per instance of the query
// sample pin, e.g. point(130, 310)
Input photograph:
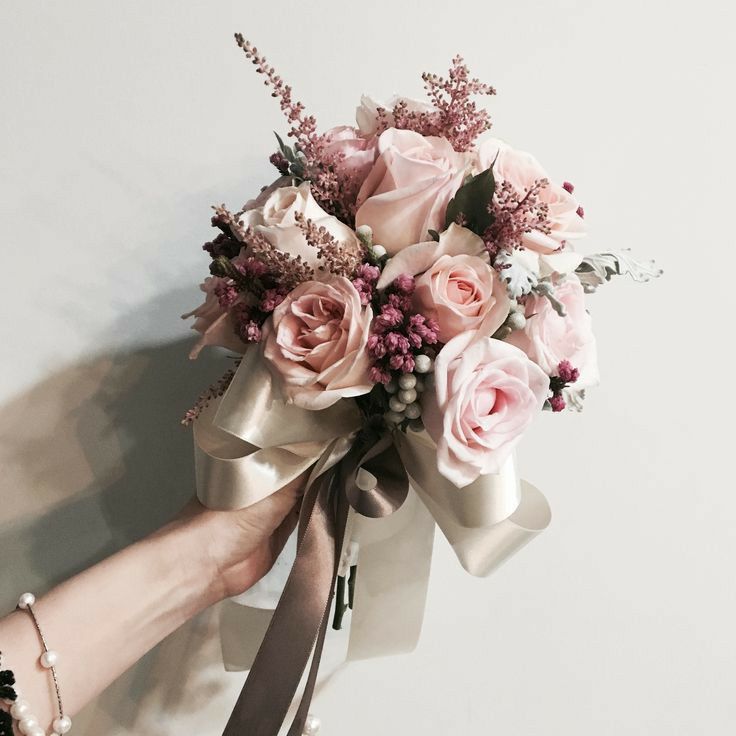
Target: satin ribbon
point(250, 443)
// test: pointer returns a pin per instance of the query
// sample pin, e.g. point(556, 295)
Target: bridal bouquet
point(405, 299)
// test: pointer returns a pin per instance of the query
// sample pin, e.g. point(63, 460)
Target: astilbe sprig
point(334, 187)
point(303, 127)
point(455, 116)
point(337, 257)
point(514, 214)
point(216, 390)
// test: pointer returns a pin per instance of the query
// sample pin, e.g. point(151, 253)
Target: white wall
point(122, 122)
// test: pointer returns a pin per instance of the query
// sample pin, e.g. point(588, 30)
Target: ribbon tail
point(297, 726)
point(296, 626)
point(393, 576)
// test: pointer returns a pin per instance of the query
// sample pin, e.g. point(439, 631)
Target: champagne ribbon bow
point(386, 488)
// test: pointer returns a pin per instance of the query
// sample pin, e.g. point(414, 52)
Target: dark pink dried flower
point(250, 267)
point(389, 317)
point(403, 363)
point(580, 212)
point(567, 373)
point(568, 187)
point(422, 329)
point(404, 284)
point(378, 374)
point(376, 346)
point(226, 294)
point(557, 402)
point(271, 299)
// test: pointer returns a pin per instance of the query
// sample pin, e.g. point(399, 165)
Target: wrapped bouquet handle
point(250, 443)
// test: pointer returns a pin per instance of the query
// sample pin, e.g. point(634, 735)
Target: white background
point(122, 122)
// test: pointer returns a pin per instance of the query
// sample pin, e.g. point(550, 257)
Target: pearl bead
point(55, 734)
point(408, 396)
point(516, 321)
point(20, 709)
point(62, 725)
point(379, 251)
point(27, 599)
point(502, 332)
point(393, 417)
point(415, 425)
point(422, 364)
point(311, 726)
point(413, 411)
point(36, 731)
point(408, 380)
point(391, 387)
point(27, 723)
point(396, 404)
point(420, 386)
point(49, 659)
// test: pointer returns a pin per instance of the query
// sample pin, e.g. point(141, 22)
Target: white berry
point(395, 404)
point(422, 364)
point(379, 251)
point(408, 396)
point(408, 380)
point(516, 321)
point(413, 411)
point(391, 387)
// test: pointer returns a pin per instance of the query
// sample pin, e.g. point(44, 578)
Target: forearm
point(104, 619)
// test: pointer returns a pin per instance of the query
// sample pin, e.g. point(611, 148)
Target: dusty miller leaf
point(598, 268)
point(519, 278)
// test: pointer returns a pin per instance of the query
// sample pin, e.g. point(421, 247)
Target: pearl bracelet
point(21, 710)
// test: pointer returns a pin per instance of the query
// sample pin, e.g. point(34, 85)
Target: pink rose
point(213, 322)
point(316, 343)
point(408, 188)
point(549, 338)
point(486, 394)
point(366, 114)
point(356, 154)
point(274, 217)
point(521, 170)
point(462, 293)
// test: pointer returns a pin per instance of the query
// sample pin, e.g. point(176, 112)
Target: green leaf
point(471, 201)
point(286, 151)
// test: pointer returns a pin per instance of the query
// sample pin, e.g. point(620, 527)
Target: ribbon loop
point(382, 463)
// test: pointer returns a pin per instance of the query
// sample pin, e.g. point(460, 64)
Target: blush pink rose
point(366, 114)
point(486, 394)
point(355, 153)
point(462, 292)
point(315, 343)
point(274, 217)
point(213, 322)
point(521, 170)
point(548, 338)
point(408, 189)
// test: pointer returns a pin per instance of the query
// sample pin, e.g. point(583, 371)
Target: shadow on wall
point(94, 458)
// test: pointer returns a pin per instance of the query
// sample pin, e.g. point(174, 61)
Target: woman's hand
point(243, 545)
point(104, 619)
